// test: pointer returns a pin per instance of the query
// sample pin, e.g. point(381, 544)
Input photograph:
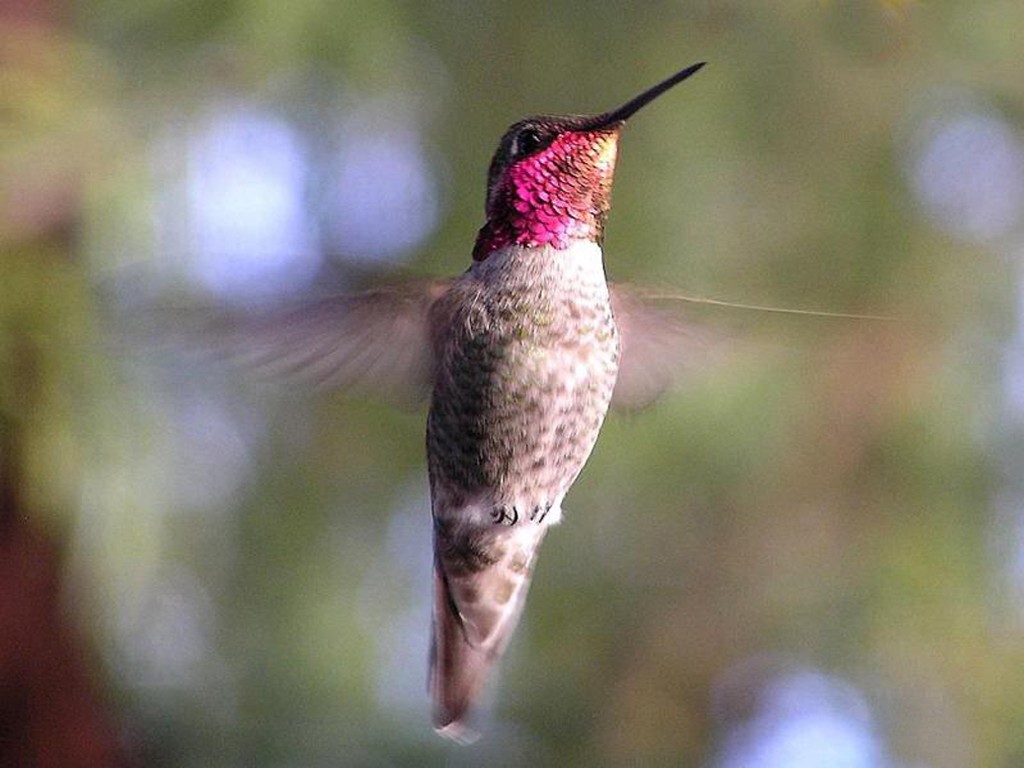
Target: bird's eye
point(526, 141)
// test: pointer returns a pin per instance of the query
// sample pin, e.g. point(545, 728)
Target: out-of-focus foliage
point(811, 556)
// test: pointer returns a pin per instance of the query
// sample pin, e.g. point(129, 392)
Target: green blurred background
point(811, 555)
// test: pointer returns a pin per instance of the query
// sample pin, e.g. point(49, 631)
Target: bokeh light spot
point(805, 719)
point(968, 175)
point(381, 197)
point(247, 188)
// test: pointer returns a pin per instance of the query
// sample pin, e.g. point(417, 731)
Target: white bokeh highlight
point(967, 171)
point(248, 220)
point(806, 719)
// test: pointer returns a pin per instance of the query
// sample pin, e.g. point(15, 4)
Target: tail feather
point(481, 578)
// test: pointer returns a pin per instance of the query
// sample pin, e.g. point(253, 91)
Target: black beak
point(632, 106)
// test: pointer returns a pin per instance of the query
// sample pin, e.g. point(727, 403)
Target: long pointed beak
point(632, 106)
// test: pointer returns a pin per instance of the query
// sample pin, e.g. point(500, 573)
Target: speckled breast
point(527, 359)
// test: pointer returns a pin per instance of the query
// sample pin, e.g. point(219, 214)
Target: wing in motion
point(658, 346)
point(376, 342)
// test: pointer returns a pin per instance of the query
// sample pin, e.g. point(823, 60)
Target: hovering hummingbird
point(526, 353)
point(521, 355)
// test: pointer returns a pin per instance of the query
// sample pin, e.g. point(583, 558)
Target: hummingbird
point(526, 353)
point(521, 356)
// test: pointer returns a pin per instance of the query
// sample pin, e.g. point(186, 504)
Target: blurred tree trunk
point(50, 715)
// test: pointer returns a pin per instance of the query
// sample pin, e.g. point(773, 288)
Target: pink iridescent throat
point(554, 197)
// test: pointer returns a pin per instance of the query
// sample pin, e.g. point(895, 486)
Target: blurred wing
point(659, 346)
point(377, 342)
